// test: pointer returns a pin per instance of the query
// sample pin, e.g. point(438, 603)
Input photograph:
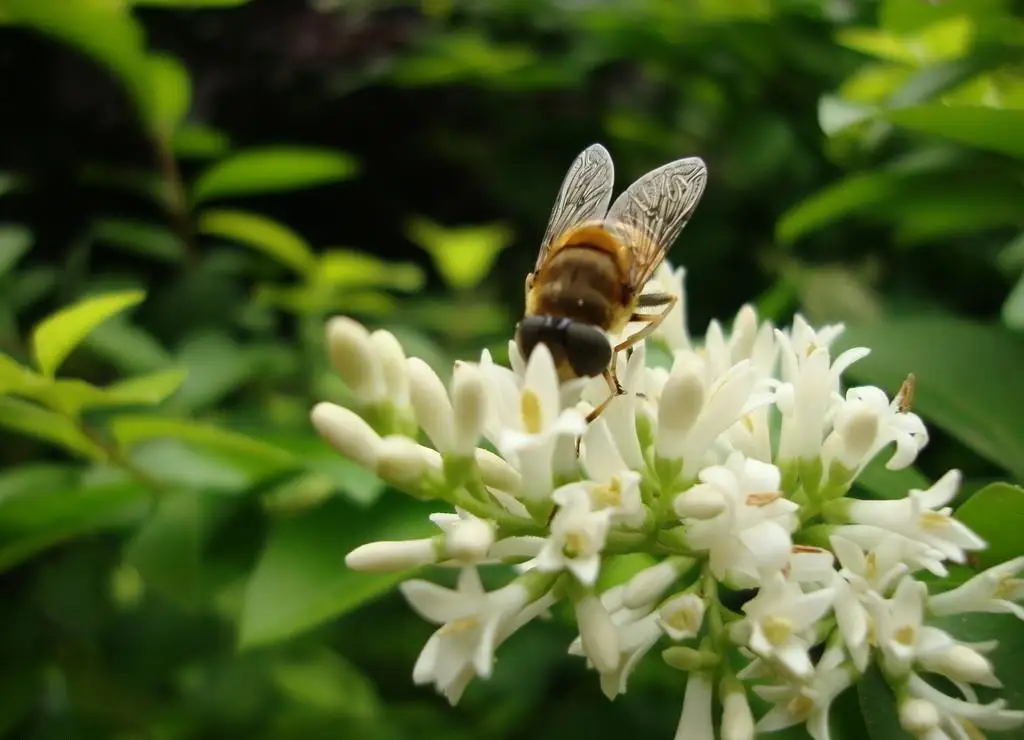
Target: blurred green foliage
point(171, 530)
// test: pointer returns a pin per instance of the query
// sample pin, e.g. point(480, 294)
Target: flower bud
point(348, 433)
point(962, 663)
point(700, 502)
point(681, 616)
point(391, 359)
point(430, 402)
point(405, 463)
point(918, 716)
point(687, 658)
point(469, 404)
point(469, 539)
point(737, 719)
point(650, 583)
point(496, 473)
point(682, 399)
point(597, 633)
point(744, 332)
point(352, 355)
point(384, 557)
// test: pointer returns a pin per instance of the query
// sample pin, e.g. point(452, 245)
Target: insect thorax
point(581, 283)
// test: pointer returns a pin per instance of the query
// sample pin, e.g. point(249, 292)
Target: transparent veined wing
point(652, 211)
point(584, 195)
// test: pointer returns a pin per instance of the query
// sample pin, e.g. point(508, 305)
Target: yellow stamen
point(529, 408)
point(1006, 588)
point(763, 499)
point(457, 626)
point(934, 520)
point(777, 630)
point(906, 635)
point(575, 545)
point(800, 706)
point(608, 495)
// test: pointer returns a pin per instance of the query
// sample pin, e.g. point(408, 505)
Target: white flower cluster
point(731, 470)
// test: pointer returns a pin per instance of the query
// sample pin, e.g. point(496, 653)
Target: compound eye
point(587, 349)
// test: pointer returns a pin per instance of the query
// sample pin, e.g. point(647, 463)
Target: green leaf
point(463, 255)
point(1013, 306)
point(217, 366)
point(199, 141)
point(348, 268)
point(153, 388)
point(996, 514)
point(258, 456)
point(13, 376)
point(10, 183)
point(129, 348)
point(28, 418)
point(56, 336)
point(301, 580)
point(328, 683)
point(272, 170)
point(878, 707)
point(270, 237)
point(850, 195)
point(993, 129)
point(167, 551)
point(882, 483)
point(140, 237)
point(42, 505)
point(171, 93)
point(14, 242)
point(965, 378)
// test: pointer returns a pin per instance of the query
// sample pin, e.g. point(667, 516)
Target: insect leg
point(653, 321)
point(614, 390)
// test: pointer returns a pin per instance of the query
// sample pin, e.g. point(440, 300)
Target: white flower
point(609, 483)
point(696, 723)
point(529, 418)
point(916, 555)
point(697, 406)
point(598, 635)
point(961, 719)
point(636, 632)
point(860, 574)
point(898, 623)
point(939, 652)
point(865, 423)
point(467, 538)
point(995, 590)
point(673, 329)
point(346, 431)
point(681, 616)
point(919, 517)
point(751, 536)
point(472, 621)
point(810, 388)
point(353, 357)
point(780, 620)
point(808, 700)
point(578, 533)
point(620, 415)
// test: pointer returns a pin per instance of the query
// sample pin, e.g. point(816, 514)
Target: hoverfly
point(594, 262)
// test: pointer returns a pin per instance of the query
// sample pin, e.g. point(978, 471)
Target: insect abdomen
point(580, 283)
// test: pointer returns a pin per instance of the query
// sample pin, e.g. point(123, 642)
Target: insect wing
point(653, 210)
point(584, 195)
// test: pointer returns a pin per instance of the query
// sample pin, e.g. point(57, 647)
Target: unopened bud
point(385, 557)
point(348, 433)
point(496, 473)
point(597, 632)
point(744, 332)
point(918, 716)
point(737, 719)
point(688, 659)
point(682, 399)
point(405, 463)
point(352, 355)
point(391, 359)
point(469, 539)
point(430, 402)
point(700, 502)
point(681, 616)
point(469, 403)
point(964, 664)
point(650, 583)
